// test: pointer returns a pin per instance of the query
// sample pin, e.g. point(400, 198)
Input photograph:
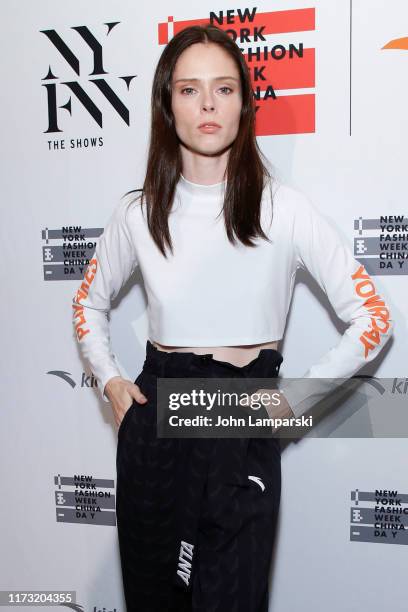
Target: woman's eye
point(190, 89)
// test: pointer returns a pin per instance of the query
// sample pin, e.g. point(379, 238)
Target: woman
point(218, 243)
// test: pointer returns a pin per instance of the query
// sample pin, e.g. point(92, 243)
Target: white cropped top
point(212, 293)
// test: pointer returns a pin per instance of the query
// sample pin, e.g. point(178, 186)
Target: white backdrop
point(56, 432)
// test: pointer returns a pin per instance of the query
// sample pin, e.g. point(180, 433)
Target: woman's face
point(206, 88)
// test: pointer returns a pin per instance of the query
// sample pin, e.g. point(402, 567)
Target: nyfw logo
point(279, 52)
point(71, 88)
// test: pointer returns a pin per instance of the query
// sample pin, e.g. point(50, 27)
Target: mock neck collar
point(199, 190)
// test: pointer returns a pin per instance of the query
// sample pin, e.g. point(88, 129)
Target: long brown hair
point(245, 172)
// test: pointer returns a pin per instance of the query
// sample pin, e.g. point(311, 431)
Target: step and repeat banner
point(330, 80)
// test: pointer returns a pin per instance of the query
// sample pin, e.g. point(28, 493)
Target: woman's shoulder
point(288, 196)
point(289, 202)
point(130, 197)
point(129, 207)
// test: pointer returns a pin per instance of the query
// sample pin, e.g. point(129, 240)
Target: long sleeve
point(352, 293)
point(112, 263)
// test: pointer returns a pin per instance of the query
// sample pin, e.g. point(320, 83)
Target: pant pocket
point(125, 419)
point(128, 412)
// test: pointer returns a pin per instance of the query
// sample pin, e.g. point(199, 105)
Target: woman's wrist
point(108, 386)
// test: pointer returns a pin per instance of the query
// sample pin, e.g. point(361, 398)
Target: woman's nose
point(208, 100)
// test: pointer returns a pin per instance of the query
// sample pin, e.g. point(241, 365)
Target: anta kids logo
point(88, 381)
point(71, 89)
point(282, 68)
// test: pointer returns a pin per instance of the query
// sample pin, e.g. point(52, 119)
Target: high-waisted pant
point(196, 517)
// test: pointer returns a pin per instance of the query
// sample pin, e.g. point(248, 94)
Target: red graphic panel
point(274, 22)
point(286, 115)
point(288, 73)
point(283, 68)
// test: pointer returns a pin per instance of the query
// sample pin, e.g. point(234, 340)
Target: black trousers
point(196, 517)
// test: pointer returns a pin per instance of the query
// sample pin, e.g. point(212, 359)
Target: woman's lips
point(209, 129)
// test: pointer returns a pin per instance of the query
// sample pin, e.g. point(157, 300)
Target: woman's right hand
point(121, 393)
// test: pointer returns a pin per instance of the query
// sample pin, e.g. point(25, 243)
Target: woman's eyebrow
point(220, 78)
